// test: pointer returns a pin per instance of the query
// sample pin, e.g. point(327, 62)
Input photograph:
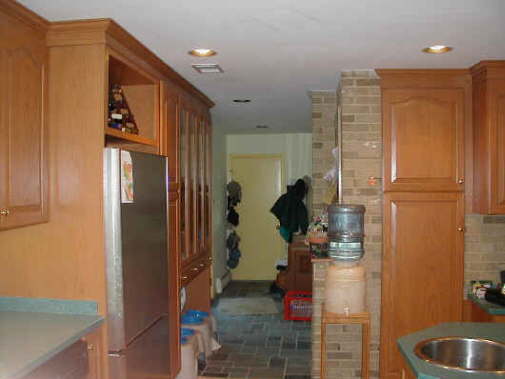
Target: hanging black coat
point(291, 211)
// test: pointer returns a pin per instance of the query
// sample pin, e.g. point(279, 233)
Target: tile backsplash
point(484, 248)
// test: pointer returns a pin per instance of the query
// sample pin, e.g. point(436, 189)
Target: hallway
point(259, 346)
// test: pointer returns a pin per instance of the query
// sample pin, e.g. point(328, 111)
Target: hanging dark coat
point(291, 211)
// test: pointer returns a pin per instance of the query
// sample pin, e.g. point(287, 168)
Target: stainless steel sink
point(462, 353)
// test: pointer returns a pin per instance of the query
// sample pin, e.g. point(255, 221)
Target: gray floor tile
point(259, 346)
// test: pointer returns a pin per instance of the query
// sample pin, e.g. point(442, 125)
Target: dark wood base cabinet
point(298, 275)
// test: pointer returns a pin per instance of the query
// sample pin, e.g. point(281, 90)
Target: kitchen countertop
point(492, 309)
point(32, 331)
point(424, 370)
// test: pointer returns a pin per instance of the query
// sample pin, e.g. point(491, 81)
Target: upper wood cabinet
point(489, 136)
point(23, 108)
point(424, 120)
point(194, 170)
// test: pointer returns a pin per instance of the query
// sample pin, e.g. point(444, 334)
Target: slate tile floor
point(259, 346)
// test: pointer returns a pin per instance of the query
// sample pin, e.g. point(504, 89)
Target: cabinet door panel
point(23, 191)
point(423, 139)
point(498, 149)
point(183, 178)
point(422, 280)
point(208, 185)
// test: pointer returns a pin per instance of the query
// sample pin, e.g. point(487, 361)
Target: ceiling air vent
point(207, 68)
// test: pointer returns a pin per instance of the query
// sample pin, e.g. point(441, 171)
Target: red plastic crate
point(298, 305)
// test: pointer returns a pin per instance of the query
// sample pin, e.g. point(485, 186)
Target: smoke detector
point(207, 68)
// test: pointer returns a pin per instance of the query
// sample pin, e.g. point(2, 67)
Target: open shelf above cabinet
point(141, 96)
point(116, 134)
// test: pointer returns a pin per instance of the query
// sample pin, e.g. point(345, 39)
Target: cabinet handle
point(460, 229)
point(195, 269)
point(184, 277)
point(4, 212)
point(461, 180)
point(202, 265)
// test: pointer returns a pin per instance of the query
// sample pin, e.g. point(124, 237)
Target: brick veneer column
point(362, 159)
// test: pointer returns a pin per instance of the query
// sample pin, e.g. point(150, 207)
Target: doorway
point(261, 177)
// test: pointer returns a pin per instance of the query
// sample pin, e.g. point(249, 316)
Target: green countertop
point(492, 309)
point(32, 331)
point(424, 370)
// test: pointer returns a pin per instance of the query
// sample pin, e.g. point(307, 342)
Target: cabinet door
point(423, 139)
point(422, 279)
point(72, 362)
point(208, 186)
point(183, 188)
point(193, 164)
point(497, 146)
point(489, 137)
point(23, 135)
point(170, 147)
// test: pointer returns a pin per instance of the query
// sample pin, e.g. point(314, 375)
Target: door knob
point(4, 212)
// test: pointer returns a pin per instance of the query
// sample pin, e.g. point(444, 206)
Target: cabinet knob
point(184, 277)
point(195, 268)
point(202, 265)
point(461, 180)
point(4, 212)
point(460, 229)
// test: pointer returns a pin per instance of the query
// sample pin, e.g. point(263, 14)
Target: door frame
point(229, 173)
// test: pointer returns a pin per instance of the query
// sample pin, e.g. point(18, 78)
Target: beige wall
point(295, 147)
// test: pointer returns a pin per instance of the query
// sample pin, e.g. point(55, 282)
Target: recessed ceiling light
point(262, 126)
point(200, 52)
point(207, 68)
point(241, 100)
point(437, 49)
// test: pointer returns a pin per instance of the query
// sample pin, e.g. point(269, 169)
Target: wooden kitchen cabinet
point(23, 108)
point(474, 313)
point(425, 114)
point(427, 130)
point(71, 363)
point(298, 275)
point(195, 187)
point(422, 282)
point(489, 137)
point(81, 360)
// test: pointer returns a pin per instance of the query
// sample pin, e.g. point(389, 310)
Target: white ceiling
point(274, 51)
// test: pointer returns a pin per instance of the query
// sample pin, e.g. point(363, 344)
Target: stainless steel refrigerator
point(135, 208)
